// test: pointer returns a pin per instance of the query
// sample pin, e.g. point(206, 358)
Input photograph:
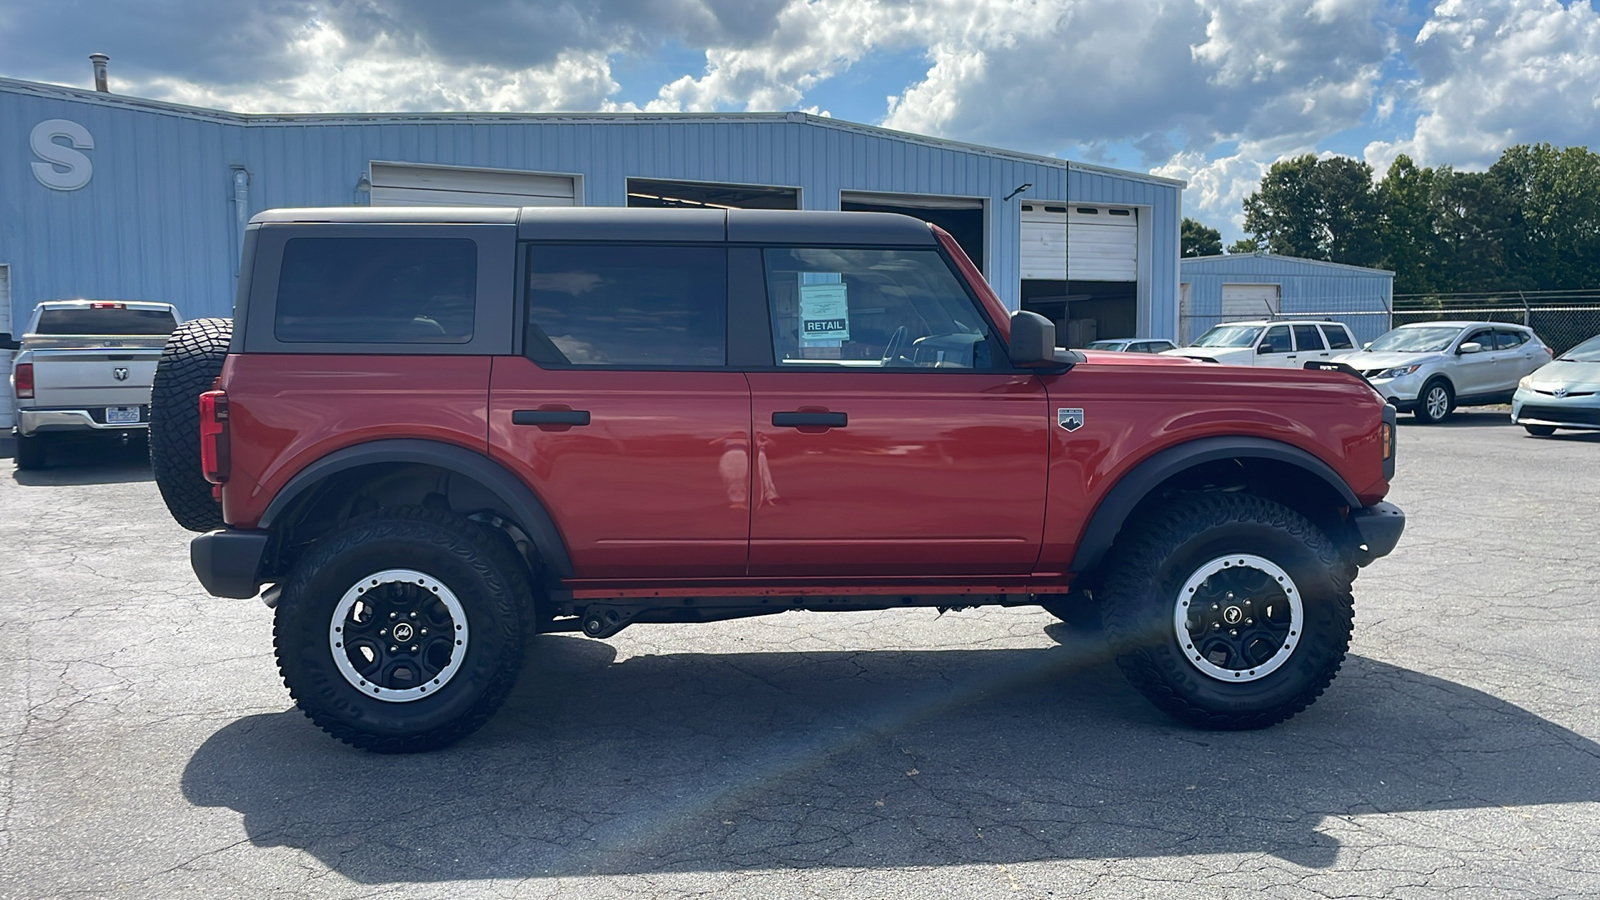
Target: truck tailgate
point(84, 379)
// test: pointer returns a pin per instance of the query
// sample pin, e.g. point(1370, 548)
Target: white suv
point(1276, 342)
point(1430, 368)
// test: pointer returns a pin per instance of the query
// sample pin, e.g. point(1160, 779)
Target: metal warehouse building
point(1261, 285)
point(113, 197)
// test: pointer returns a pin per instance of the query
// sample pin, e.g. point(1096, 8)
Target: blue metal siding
point(157, 220)
point(1361, 298)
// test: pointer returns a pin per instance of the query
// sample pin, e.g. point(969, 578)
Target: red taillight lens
point(22, 376)
point(108, 306)
point(214, 456)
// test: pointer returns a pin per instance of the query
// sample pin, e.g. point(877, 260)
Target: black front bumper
point(1379, 527)
point(227, 560)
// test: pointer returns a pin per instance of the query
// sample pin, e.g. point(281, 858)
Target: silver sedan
point(1564, 393)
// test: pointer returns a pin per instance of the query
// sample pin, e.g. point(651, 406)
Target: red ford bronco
point(429, 433)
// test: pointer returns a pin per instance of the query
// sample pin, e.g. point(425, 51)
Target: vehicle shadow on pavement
point(1467, 418)
point(90, 463)
point(707, 762)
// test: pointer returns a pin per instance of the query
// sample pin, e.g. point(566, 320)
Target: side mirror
point(1471, 347)
point(1367, 346)
point(1033, 341)
point(1266, 348)
point(7, 342)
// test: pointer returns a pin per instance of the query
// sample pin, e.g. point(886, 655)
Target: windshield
point(1588, 351)
point(108, 319)
point(1229, 336)
point(1105, 345)
point(1415, 340)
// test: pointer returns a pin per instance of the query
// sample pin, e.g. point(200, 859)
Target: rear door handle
point(810, 419)
point(548, 417)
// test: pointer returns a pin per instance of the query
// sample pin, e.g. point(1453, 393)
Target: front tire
point(1540, 430)
point(1228, 611)
point(402, 633)
point(1435, 402)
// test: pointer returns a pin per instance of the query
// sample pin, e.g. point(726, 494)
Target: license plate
point(122, 415)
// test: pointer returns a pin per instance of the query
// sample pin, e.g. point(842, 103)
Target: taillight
point(214, 456)
point(108, 306)
point(22, 376)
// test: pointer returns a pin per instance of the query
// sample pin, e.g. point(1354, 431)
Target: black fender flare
point(1119, 502)
point(520, 502)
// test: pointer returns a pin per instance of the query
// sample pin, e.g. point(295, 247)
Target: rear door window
point(357, 290)
point(1509, 339)
point(621, 306)
point(872, 309)
point(1307, 337)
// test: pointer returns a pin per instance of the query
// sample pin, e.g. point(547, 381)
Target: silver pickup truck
point(85, 366)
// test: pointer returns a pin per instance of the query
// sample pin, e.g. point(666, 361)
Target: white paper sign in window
point(824, 312)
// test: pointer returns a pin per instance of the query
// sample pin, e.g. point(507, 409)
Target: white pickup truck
point(85, 366)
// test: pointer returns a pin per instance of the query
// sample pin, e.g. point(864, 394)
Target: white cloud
point(332, 73)
point(1492, 73)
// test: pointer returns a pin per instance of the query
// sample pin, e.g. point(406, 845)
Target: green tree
point(1317, 209)
point(1469, 216)
point(1244, 245)
point(1405, 199)
point(1196, 239)
point(1551, 198)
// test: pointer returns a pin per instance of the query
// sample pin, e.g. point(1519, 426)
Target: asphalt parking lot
point(147, 748)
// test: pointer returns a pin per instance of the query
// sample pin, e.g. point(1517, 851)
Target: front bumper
point(1402, 392)
point(227, 561)
point(1530, 407)
point(1378, 526)
point(36, 421)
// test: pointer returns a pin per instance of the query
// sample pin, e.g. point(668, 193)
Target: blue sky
point(1210, 91)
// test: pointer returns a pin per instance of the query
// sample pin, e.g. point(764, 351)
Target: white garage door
point(401, 184)
point(7, 403)
point(1102, 241)
point(1249, 301)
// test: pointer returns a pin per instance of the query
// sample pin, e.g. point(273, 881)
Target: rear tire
point(1435, 402)
point(1540, 430)
point(30, 452)
point(349, 667)
point(190, 364)
point(1228, 611)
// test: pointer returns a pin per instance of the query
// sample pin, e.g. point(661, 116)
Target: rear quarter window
point(390, 290)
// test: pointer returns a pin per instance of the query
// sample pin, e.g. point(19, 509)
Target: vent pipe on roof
point(99, 60)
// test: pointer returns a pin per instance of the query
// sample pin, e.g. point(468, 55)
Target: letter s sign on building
point(64, 168)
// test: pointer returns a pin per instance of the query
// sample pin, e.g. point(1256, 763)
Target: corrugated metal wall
point(157, 220)
point(1361, 298)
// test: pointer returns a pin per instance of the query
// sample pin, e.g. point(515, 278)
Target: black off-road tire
point(1535, 430)
point(487, 581)
point(1430, 413)
point(30, 452)
point(1149, 571)
point(190, 363)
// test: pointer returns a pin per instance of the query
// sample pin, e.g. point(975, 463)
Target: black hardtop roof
point(613, 223)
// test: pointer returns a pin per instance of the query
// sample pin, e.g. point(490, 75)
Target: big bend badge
point(1070, 419)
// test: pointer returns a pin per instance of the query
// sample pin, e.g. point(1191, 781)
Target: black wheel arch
point(1276, 469)
point(404, 466)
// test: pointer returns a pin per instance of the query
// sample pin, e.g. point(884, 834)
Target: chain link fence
point(1562, 319)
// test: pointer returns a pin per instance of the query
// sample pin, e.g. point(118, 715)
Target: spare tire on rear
point(189, 365)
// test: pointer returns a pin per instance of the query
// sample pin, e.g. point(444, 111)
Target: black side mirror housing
point(1033, 344)
point(7, 342)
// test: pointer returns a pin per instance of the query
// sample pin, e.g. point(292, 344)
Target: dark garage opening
point(649, 192)
point(1085, 311)
point(962, 218)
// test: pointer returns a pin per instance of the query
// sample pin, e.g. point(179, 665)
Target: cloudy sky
point(1211, 91)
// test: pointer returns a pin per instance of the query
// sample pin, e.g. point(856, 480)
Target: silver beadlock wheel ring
point(398, 635)
point(1234, 610)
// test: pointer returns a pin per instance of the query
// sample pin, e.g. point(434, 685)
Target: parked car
point(85, 367)
point(1430, 368)
point(1282, 343)
point(1133, 345)
point(445, 432)
point(1563, 393)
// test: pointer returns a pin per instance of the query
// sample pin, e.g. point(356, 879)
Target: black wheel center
point(404, 632)
point(1238, 618)
point(400, 636)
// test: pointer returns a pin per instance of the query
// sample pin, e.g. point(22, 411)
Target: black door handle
point(810, 419)
point(550, 417)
